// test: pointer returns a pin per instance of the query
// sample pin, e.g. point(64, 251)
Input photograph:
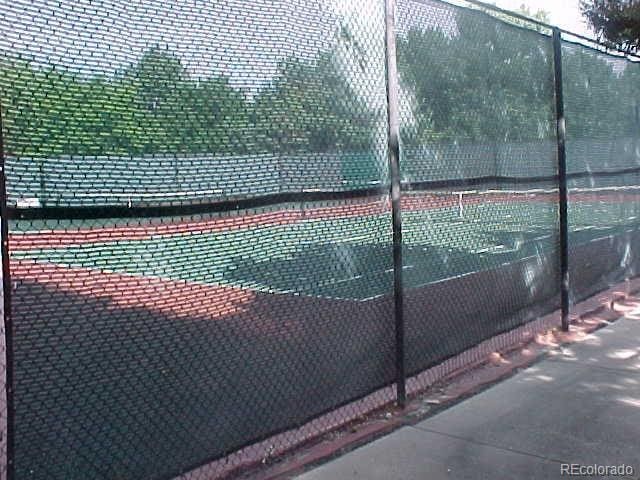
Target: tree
point(630, 97)
point(489, 82)
point(19, 111)
point(539, 15)
point(311, 107)
point(179, 114)
point(212, 117)
point(595, 103)
point(617, 22)
point(154, 107)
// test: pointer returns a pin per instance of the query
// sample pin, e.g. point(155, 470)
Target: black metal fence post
point(6, 311)
point(562, 179)
point(393, 112)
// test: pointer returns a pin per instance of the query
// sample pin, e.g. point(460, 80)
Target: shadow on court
point(105, 391)
point(365, 271)
point(108, 392)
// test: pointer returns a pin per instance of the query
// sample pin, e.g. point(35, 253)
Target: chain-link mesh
point(480, 256)
point(200, 243)
point(602, 107)
point(200, 232)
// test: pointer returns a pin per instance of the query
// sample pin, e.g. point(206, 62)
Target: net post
point(6, 397)
point(562, 178)
point(396, 195)
point(43, 189)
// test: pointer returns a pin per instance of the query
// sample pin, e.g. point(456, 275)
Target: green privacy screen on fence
point(156, 327)
point(477, 106)
point(199, 265)
point(602, 104)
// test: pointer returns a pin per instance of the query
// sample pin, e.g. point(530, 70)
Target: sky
point(562, 13)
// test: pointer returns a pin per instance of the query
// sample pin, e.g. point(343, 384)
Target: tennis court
point(189, 319)
point(446, 234)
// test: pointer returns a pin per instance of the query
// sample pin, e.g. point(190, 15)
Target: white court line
point(148, 194)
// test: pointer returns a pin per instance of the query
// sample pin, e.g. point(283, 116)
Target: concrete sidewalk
point(580, 405)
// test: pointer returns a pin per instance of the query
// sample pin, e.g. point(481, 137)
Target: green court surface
point(348, 257)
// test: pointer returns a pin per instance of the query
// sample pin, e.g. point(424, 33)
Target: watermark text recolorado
point(578, 470)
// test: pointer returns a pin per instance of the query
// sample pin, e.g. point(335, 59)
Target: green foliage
point(487, 82)
point(540, 15)
point(615, 21)
point(601, 95)
point(311, 107)
point(155, 107)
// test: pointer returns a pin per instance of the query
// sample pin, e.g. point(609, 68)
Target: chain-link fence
point(203, 261)
point(602, 104)
point(481, 258)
